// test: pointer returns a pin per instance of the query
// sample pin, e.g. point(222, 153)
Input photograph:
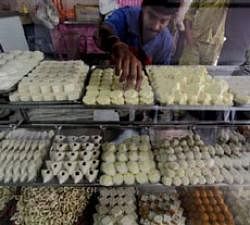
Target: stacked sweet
point(52, 81)
point(22, 153)
point(73, 157)
point(233, 157)
point(188, 85)
point(47, 206)
point(239, 86)
point(164, 209)
point(206, 207)
point(105, 89)
point(187, 161)
point(15, 65)
point(6, 194)
point(128, 163)
point(239, 203)
point(116, 207)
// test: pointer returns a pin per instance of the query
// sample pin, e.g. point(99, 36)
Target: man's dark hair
point(171, 6)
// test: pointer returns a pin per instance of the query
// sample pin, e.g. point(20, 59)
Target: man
point(205, 29)
point(137, 36)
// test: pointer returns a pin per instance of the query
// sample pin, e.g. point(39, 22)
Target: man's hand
point(127, 66)
point(189, 37)
point(188, 32)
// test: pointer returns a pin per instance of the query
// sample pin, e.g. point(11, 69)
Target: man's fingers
point(118, 65)
point(125, 69)
point(139, 77)
point(133, 72)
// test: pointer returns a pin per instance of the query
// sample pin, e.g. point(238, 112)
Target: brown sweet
point(209, 208)
point(220, 201)
point(204, 217)
point(213, 201)
point(203, 194)
point(220, 217)
point(196, 194)
point(206, 223)
point(212, 217)
point(217, 209)
point(210, 194)
point(202, 209)
point(206, 201)
point(198, 202)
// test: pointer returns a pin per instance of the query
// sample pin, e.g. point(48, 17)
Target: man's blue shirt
point(126, 24)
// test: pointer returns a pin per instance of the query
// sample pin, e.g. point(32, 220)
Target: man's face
point(154, 21)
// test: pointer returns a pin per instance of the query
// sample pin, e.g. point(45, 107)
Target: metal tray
point(64, 102)
point(14, 86)
point(37, 181)
point(72, 131)
point(126, 106)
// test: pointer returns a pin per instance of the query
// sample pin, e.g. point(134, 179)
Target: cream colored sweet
point(78, 156)
point(62, 80)
point(108, 85)
point(132, 157)
point(160, 209)
point(31, 199)
point(193, 87)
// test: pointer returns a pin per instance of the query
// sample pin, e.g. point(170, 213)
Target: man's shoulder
point(128, 10)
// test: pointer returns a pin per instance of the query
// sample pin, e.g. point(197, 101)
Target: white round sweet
point(103, 100)
point(145, 166)
point(173, 165)
point(194, 180)
point(122, 156)
point(89, 100)
point(210, 179)
point(167, 181)
point(108, 168)
point(143, 156)
point(144, 147)
point(210, 163)
point(106, 180)
point(185, 181)
point(200, 164)
point(121, 167)
point(180, 172)
point(202, 180)
point(189, 155)
point(133, 167)
point(132, 146)
point(154, 176)
point(117, 101)
point(108, 157)
point(132, 101)
point(177, 181)
point(131, 93)
point(183, 164)
point(197, 155)
point(118, 179)
point(169, 173)
point(141, 178)
point(133, 155)
point(181, 155)
point(110, 147)
point(122, 148)
point(129, 179)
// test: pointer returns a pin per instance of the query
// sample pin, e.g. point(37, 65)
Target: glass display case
point(77, 147)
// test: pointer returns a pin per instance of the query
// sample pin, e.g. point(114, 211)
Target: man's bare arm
point(127, 65)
